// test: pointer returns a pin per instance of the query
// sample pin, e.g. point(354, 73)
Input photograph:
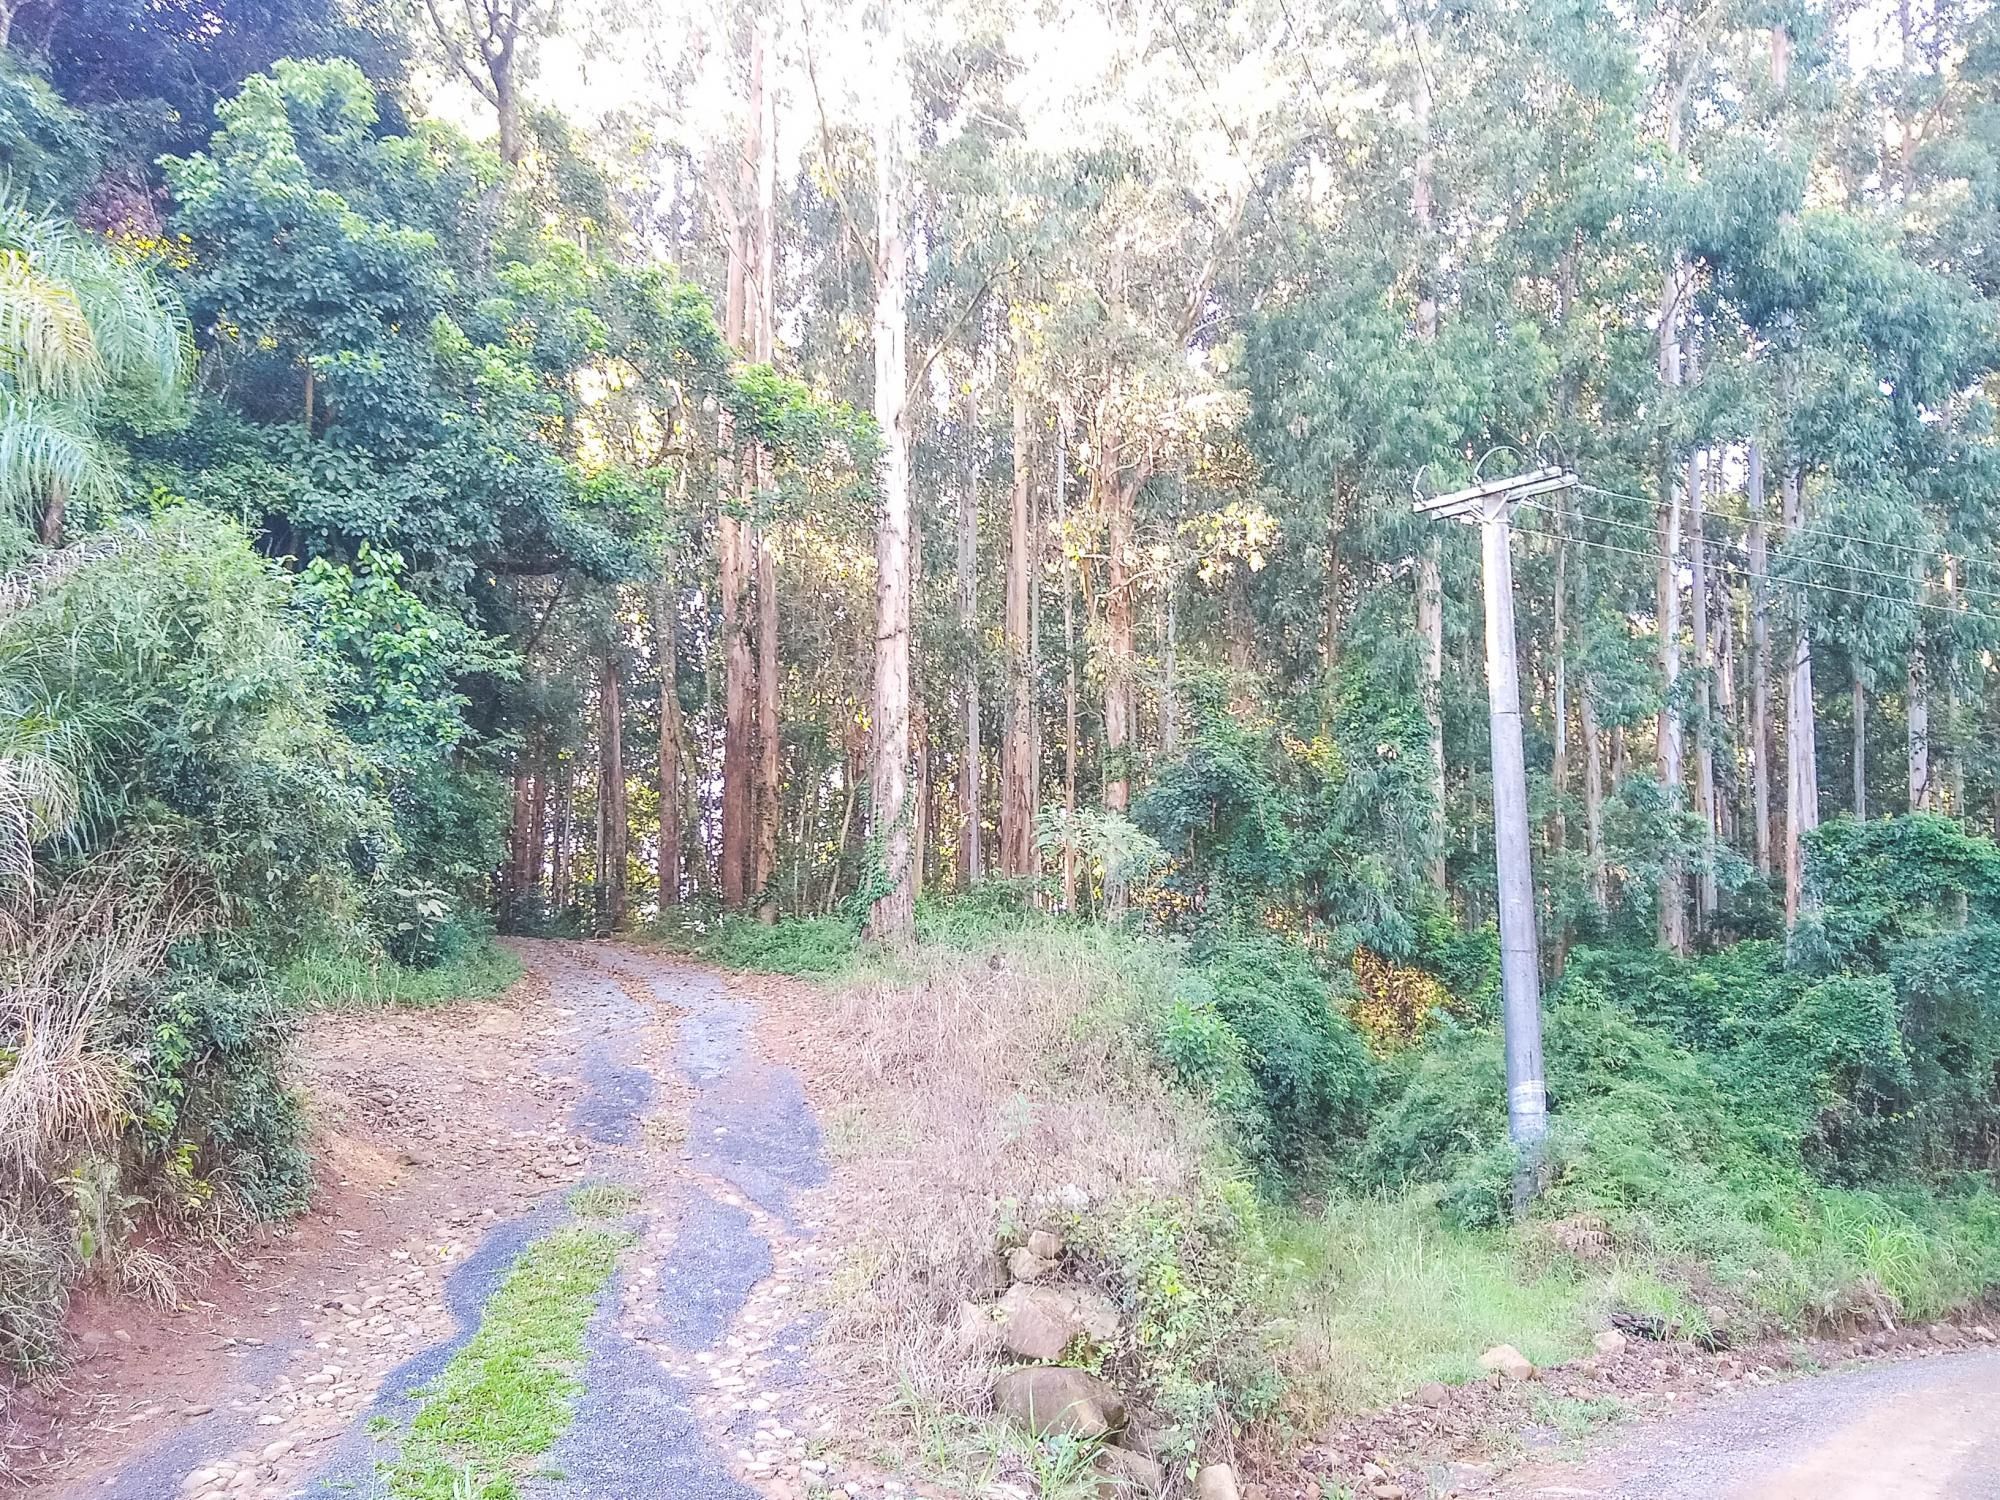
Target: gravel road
point(686, 1370)
point(1926, 1429)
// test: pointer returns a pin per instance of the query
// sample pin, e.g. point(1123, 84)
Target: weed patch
point(507, 1396)
point(331, 980)
point(602, 1200)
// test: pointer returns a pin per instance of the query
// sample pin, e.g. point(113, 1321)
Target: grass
point(1377, 1296)
point(1010, 1059)
point(505, 1398)
point(337, 980)
point(602, 1200)
point(832, 948)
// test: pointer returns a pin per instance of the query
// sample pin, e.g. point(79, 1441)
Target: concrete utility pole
point(1490, 506)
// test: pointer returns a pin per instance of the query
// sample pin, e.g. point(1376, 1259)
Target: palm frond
point(48, 344)
point(42, 449)
point(46, 570)
point(76, 314)
point(141, 339)
point(38, 800)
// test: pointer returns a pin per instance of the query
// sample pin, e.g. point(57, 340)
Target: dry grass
point(60, 1094)
point(980, 1096)
point(64, 1099)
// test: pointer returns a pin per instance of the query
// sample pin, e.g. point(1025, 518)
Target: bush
point(1313, 1073)
point(199, 821)
point(211, 1039)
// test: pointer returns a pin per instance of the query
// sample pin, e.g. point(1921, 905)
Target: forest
point(785, 479)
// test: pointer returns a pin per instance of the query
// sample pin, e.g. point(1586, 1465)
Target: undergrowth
point(332, 979)
point(1299, 1220)
point(505, 1398)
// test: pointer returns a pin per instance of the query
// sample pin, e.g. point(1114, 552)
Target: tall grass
point(341, 979)
point(1378, 1295)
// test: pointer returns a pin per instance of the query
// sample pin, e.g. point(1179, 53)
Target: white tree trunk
point(892, 919)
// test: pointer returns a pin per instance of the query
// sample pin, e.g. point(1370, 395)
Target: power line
point(1800, 529)
point(1854, 568)
point(1799, 583)
point(1305, 61)
point(1180, 42)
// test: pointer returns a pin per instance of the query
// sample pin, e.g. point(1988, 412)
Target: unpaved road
point(1925, 1429)
point(611, 1065)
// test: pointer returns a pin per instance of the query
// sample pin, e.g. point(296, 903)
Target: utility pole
point(1490, 506)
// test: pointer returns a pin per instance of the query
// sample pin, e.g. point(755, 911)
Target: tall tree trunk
point(538, 804)
point(1728, 733)
point(1119, 498)
point(892, 919)
point(515, 873)
point(734, 471)
point(1760, 663)
point(1858, 710)
point(1704, 665)
point(1559, 698)
point(1017, 814)
point(1802, 755)
point(507, 106)
point(920, 796)
point(1951, 799)
point(769, 795)
point(1672, 902)
point(672, 833)
point(1069, 661)
point(565, 843)
point(611, 795)
point(1593, 797)
point(1430, 634)
point(1037, 547)
point(1668, 746)
point(1170, 686)
point(1918, 703)
point(1430, 578)
point(770, 798)
point(970, 793)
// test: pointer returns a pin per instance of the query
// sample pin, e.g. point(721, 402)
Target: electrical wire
point(1799, 530)
point(1798, 583)
point(1180, 42)
point(1305, 60)
point(1846, 567)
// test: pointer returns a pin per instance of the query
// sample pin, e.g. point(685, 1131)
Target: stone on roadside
point(1024, 1265)
point(1467, 1478)
point(1038, 1322)
point(1505, 1359)
point(1216, 1482)
point(1610, 1341)
point(1129, 1473)
point(1046, 1244)
point(978, 1330)
point(1051, 1401)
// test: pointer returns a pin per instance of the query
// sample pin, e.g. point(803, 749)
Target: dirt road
point(1921, 1430)
point(450, 1141)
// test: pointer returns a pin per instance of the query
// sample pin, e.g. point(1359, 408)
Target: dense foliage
point(407, 533)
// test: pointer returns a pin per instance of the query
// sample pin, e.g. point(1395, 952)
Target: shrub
point(1311, 1068)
